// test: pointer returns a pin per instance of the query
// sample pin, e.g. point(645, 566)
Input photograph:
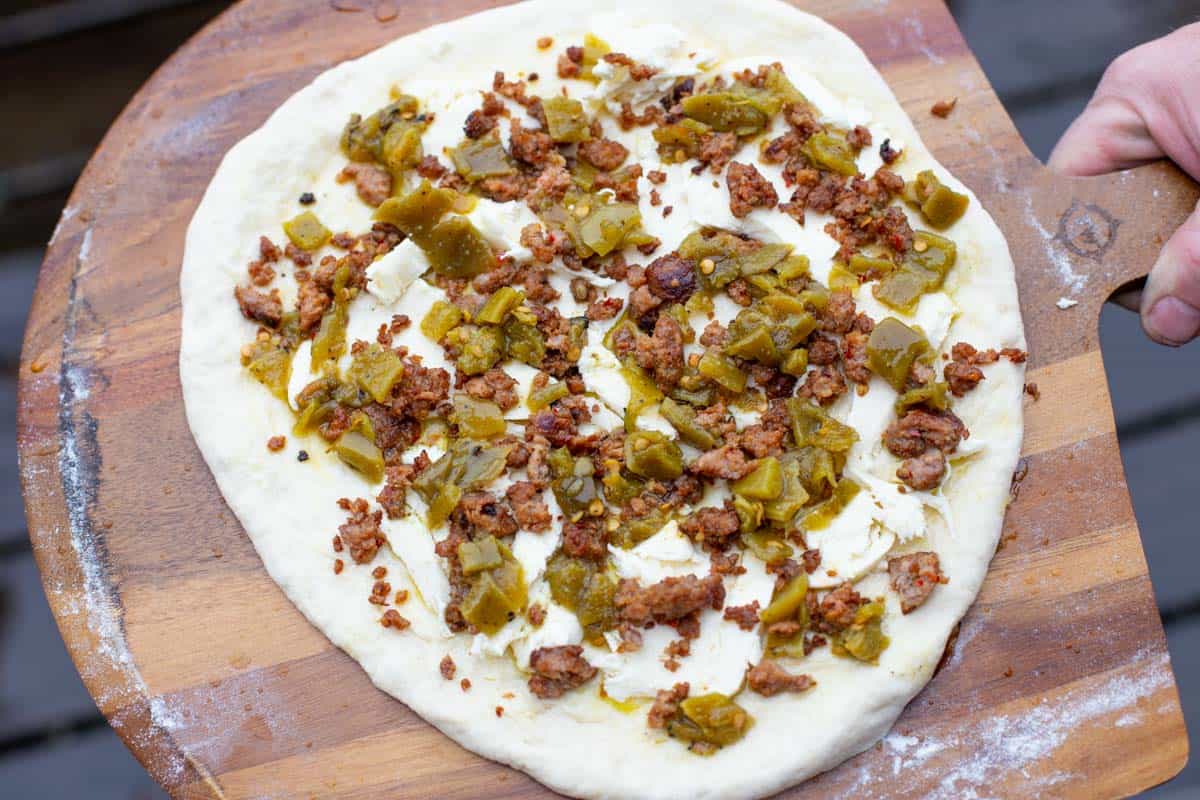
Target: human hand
point(1147, 107)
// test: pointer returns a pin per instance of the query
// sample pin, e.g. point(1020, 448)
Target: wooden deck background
point(68, 66)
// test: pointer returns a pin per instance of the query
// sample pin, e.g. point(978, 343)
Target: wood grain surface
point(1059, 682)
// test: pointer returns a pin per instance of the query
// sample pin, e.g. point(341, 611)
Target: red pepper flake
point(338, 566)
point(465, 683)
point(942, 108)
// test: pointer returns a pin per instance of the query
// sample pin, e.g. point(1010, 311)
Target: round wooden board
point(1059, 683)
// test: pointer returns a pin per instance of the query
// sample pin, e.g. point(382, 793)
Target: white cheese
point(667, 553)
point(601, 372)
point(302, 373)
point(560, 627)
point(413, 544)
point(523, 374)
point(662, 47)
point(501, 224)
point(533, 549)
point(851, 544)
point(388, 277)
point(869, 415)
point(934, 314)
point(717, 662)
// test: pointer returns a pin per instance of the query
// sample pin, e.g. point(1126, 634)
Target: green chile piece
point(679, 141)
point(783, 509)
point(932, 394)
point(892, 349)
point(479, 555)
point(768, 546)
point(574, 483)
point(711, 719)
point(795, 362)
point(442, 318)
point(812, 426)
point(608, 227)
point(306, 231)
point(497, 306)
point(477, 419)
point(722, 371)
point(457, 249)
point(750, 514)
point(480, 347)
point(523, 341)
point(496, 595)
point(725, 111)
point(587, 588)
point(271, 365)
point(360, 453)
point(788, 603)
point(683, 418)
point(864, 639)
point(831, 151)
point(485, 157)
point(924, 270)
point(827, 510)
point(652, 455)
point(417, 212)
point(940, 205)
point(643, 393)
point(376, 369)
point(550, 393)
point(764, 483)
point(566, 120)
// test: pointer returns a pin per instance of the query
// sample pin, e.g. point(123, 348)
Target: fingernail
point(1173, 321)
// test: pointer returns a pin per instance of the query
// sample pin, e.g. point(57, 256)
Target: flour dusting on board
point(1073, 280)
point(969, 759)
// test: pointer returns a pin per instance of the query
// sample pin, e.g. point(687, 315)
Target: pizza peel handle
point(1104, 232)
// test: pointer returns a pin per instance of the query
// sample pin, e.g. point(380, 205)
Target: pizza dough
point(580, 744)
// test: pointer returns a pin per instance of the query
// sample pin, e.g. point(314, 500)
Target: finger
point(1109, 135)
point(1171, 300)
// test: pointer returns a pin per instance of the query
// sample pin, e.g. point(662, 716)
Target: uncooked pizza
point(623, 385)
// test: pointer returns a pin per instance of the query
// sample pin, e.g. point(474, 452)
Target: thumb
point(1171, 300)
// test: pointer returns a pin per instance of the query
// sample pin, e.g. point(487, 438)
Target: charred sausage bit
point(301, 258)
point(724, 564)
point(854, 359)
point(261, 272)
point(769, 679)
point(479, 123)
point(662, 354)
point(536, 614)
point(859, 137)
point(429, 167)
point(670, 599)
point(603, 154)
point(739, 292)
point(919, 430)
point(541, 244)
point(276, 443)
point(604, 308)
point(373, 183)
point(447, 668)
point(748, 189)
point(666, 705)
point(1033, 391)
point(258, 307)
point(657, 177)
point(338, 566)
point(483, 513)
point(838, 607)
point(811, 560)
point(380, 590)
point(823, 351)
point(495, 385)
point(531, 145)
point(823, 384)
point(465, 684)
point(392, 619)
point(886, 153)
point(570, 62)
point(914, 577)
point(962, 377)
point(545, 42)
point(714, 335)
point(716, 150)
point(745, 616)
point(925, 471)
point(713, 527)
point(639, 72)
point(307, 199)
point(942, 108)
point(728, 462)
point(586, 538)
point(671, 278)
point(531, 511)
point(361, 532)
point(557, 670)
point(760, 441)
